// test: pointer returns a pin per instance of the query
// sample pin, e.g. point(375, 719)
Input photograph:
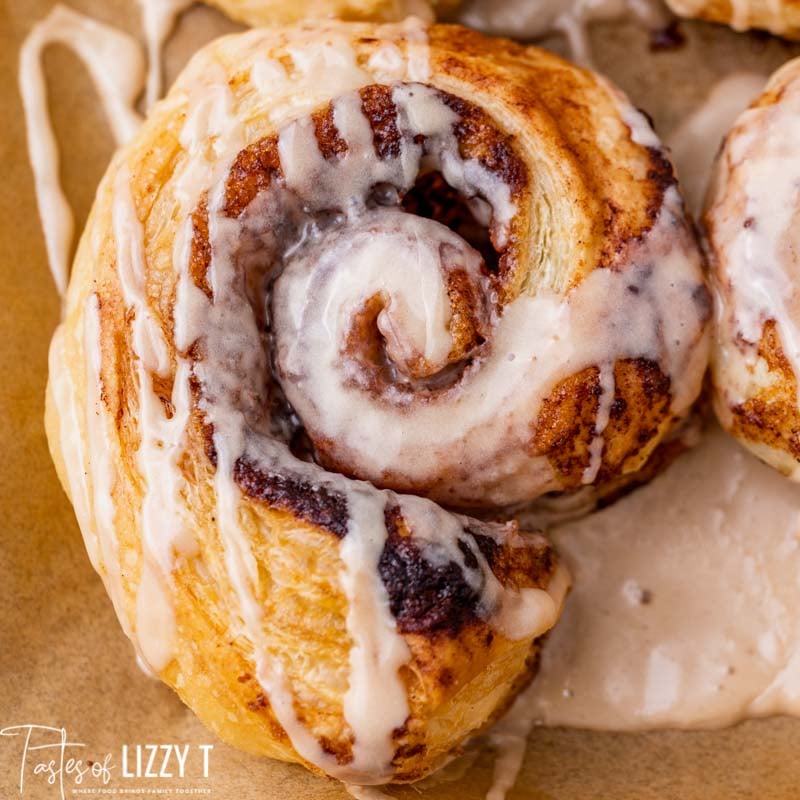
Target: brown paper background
point(63, 658)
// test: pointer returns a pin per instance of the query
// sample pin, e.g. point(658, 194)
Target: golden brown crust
point(638, 418)
point(771, 417)
point(616, 194)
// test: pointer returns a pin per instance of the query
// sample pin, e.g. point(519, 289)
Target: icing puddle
point(683, 607)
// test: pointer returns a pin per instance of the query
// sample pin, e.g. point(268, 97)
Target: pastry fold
point(346, 272)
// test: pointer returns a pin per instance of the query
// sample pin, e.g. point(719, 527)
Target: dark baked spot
point(252, 171)
point(470, 561)
point(479, 138)
point(446, 678)
point(661, 175)
point(639, 412)
point(200, 253)
point(423, 598)
point(331, 145)
point(702, 299)
point(427, 598)
point(259, 703)
point(379, 108)
point(565, 426)
point(759, 420)
point(342, 751)
point(517, 567)
point(622, 485)
point(432, 197)
point(162, 387)
point(405, 752)
point(315, 504)
point(618, 232)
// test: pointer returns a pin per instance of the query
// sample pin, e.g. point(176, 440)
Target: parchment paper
point(64, 661)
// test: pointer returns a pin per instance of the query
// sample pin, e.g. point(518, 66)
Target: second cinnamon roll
point(751, 223)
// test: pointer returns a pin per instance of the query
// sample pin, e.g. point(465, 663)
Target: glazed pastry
point(277, 12)
point(752, 229)
point(781, 17)
point(451, 266)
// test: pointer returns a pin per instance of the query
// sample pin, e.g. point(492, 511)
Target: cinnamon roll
point(781, 17)
point(751, 223)
point(343, 273)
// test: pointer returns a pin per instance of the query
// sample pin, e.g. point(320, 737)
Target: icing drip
point(377, 652)
point(696, 141)
point(101, 467)
point(607, 385)
point(163, 529)
point(366, 792)
point(740, 14)
point(534, 19)
point(509, 738)
point(115, 64)
point(158, 20)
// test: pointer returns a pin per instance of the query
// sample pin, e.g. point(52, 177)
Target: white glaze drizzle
point(696, 141)
point(740, 14)
point(164, 533)
point(158, 20)
point(101, 467)
point(534, 19)
point(90, 458)
point(607, 387)
point(377, 652)
point(509, 738)
point(116, 66)
point(209, 119)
